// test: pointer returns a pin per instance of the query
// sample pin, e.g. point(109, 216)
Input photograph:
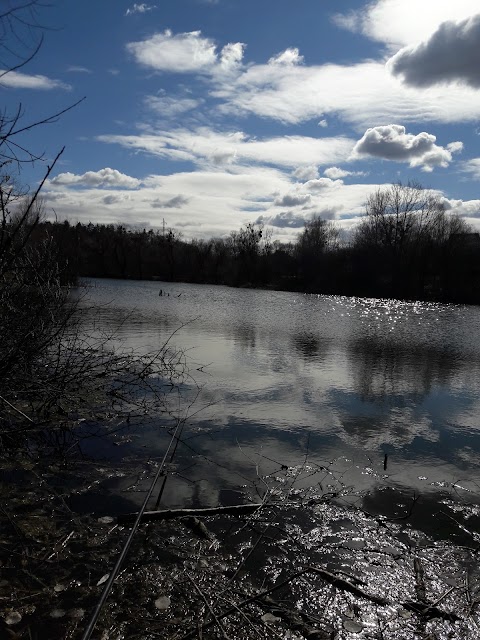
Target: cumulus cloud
point(173, 203)
point(293, 200)
point(323, 123)
point(18, 80)
point(289, 57)
point(185, 53)
point(104, 178)
point(182, 53)
point(321, 184)
point(284, 219)
point(468, 209)
point(141, 7)
point(336, 173)
point(452, 54)
point(392, 142)
point(168, 106)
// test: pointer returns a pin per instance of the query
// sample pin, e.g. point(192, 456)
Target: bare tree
point(318, 236)
point(34, 314)
point(404, 228)
point(400, 214)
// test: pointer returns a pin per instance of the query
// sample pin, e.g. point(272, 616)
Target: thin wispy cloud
point(204, 145)
point(363, 94)
point(141, 7)
point(169, 106)
point(18, 80)
point(472, 168)
point(336, 173)
point(78, 69)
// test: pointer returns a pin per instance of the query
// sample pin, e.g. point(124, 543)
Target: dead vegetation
point(300, 565)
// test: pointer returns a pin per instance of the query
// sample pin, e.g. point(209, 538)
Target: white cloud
point(452, 54)
point(323, 123)
point(73, 68)
point(141, 7)
point(289, 57)
point(209, 202)
point(308, 172)
point(231, 56)
point(321, 184)
point(405, 22)
point(336, 172)
point(392, 142)
point(455, 147)
point(185, 53)
point(205, 145)
point(351, 21)
point(168, 106)
point(363, 94)
point(19, 80)
point(472, 167)
point(218, 201)
point(104, 178)
point(468, 209)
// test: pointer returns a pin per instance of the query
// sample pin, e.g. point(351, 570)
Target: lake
point(374, 400)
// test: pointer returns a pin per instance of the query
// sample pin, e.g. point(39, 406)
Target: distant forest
point(406, 246)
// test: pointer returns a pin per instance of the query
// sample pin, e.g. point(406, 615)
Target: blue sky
point(211, 114)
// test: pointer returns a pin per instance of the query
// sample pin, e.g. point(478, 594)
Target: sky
point(209, 114)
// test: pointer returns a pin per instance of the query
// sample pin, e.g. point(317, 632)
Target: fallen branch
point(326, 575)
point(169, 514)
point(346, 585)
point(429, 611)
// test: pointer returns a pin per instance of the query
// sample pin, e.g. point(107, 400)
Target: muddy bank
point(302, 566)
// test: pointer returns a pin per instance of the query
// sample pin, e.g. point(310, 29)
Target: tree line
point(406, 246)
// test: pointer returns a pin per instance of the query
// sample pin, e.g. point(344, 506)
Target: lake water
point(318, 388)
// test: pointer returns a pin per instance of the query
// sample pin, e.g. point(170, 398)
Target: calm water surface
point(307, 380)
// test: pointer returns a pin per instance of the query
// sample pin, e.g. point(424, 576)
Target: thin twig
point(24, 415)
point(212, 612)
